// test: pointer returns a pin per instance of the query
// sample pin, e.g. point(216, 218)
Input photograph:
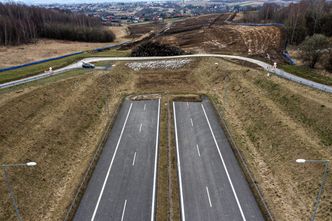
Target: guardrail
point(40, 61)
point(60, 57)
point(262, 64)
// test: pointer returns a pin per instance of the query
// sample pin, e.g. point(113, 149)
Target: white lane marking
point(191, 120)
point(110, 166)
point(183, 217)
point(208, 195)
point(140, 128)
point(134, 159)
point(187, 104)
point(144, 106)
point(199, 153)
point(155, 167)
point(124, 209)
point(223, 162)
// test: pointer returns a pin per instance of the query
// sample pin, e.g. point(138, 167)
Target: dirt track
point(210, 34)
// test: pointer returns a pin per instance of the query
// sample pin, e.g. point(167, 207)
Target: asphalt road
point(262, 64)
point(212, 185)
point(123, 185)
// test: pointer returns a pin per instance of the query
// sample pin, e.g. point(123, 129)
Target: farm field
point(46, 48)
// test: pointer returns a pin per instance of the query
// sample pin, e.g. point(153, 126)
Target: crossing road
point(212, 185)
point(262, 64)
point(123, 185)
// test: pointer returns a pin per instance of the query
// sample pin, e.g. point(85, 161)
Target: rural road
point(212, 185)
point(262, 64)
point(123, 184)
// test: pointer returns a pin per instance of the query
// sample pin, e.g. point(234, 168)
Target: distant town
point(137, 12)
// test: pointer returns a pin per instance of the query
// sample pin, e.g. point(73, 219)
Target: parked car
point(87, 65)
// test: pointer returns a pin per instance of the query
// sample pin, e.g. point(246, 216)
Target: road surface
point(212, 185)
point(123, 184)
point(262, 64)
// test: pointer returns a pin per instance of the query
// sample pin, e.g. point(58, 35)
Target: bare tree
point(21, 24)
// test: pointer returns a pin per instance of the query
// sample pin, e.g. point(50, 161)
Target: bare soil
point(211, 34)
point(59, 124)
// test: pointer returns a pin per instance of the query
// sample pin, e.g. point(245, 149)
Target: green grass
point(308, 73)
point(39, 68)
point(47, 80)
point(303, 110)
point(103, 63)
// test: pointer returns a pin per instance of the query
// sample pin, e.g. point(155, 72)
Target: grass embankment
point(274, 122)
point(58, 124)
point(39, 68)
point(307, 73)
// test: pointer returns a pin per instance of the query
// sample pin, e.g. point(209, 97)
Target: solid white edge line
point(124, 209)
point(183, 217)
point(208, 194)
point(110, 166)
point(134, 159)
point(155, 167)
point(223, 162)
point(199, 153)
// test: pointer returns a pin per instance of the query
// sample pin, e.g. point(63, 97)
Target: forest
point(21, 24)
point(302, 19)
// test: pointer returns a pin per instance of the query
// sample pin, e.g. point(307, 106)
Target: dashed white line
point(208, 195)
point(187, 104)
point(183, 217)
point(134, 159)
point(124, 209)
point(140, 128)
point(223, 162)
point(191, 120)
point(144, 106)
point(199, 153)
point(110, 166)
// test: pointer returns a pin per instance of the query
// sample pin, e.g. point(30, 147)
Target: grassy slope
point(39, 68)
point(272, 120)
point(307, 73)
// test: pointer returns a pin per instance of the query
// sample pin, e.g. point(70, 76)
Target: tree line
point(302, 19)
point(21, 24)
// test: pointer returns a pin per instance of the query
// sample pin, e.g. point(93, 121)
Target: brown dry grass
point(57, 125)
point(44, 48)
point(273, 121)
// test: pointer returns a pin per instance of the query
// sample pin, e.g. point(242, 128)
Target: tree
point(328, 62)
point(313, 47)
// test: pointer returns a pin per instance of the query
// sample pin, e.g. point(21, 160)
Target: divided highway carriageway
point(123, 184)
point(211, 183)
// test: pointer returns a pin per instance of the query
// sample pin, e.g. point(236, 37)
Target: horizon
point(43, 2)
